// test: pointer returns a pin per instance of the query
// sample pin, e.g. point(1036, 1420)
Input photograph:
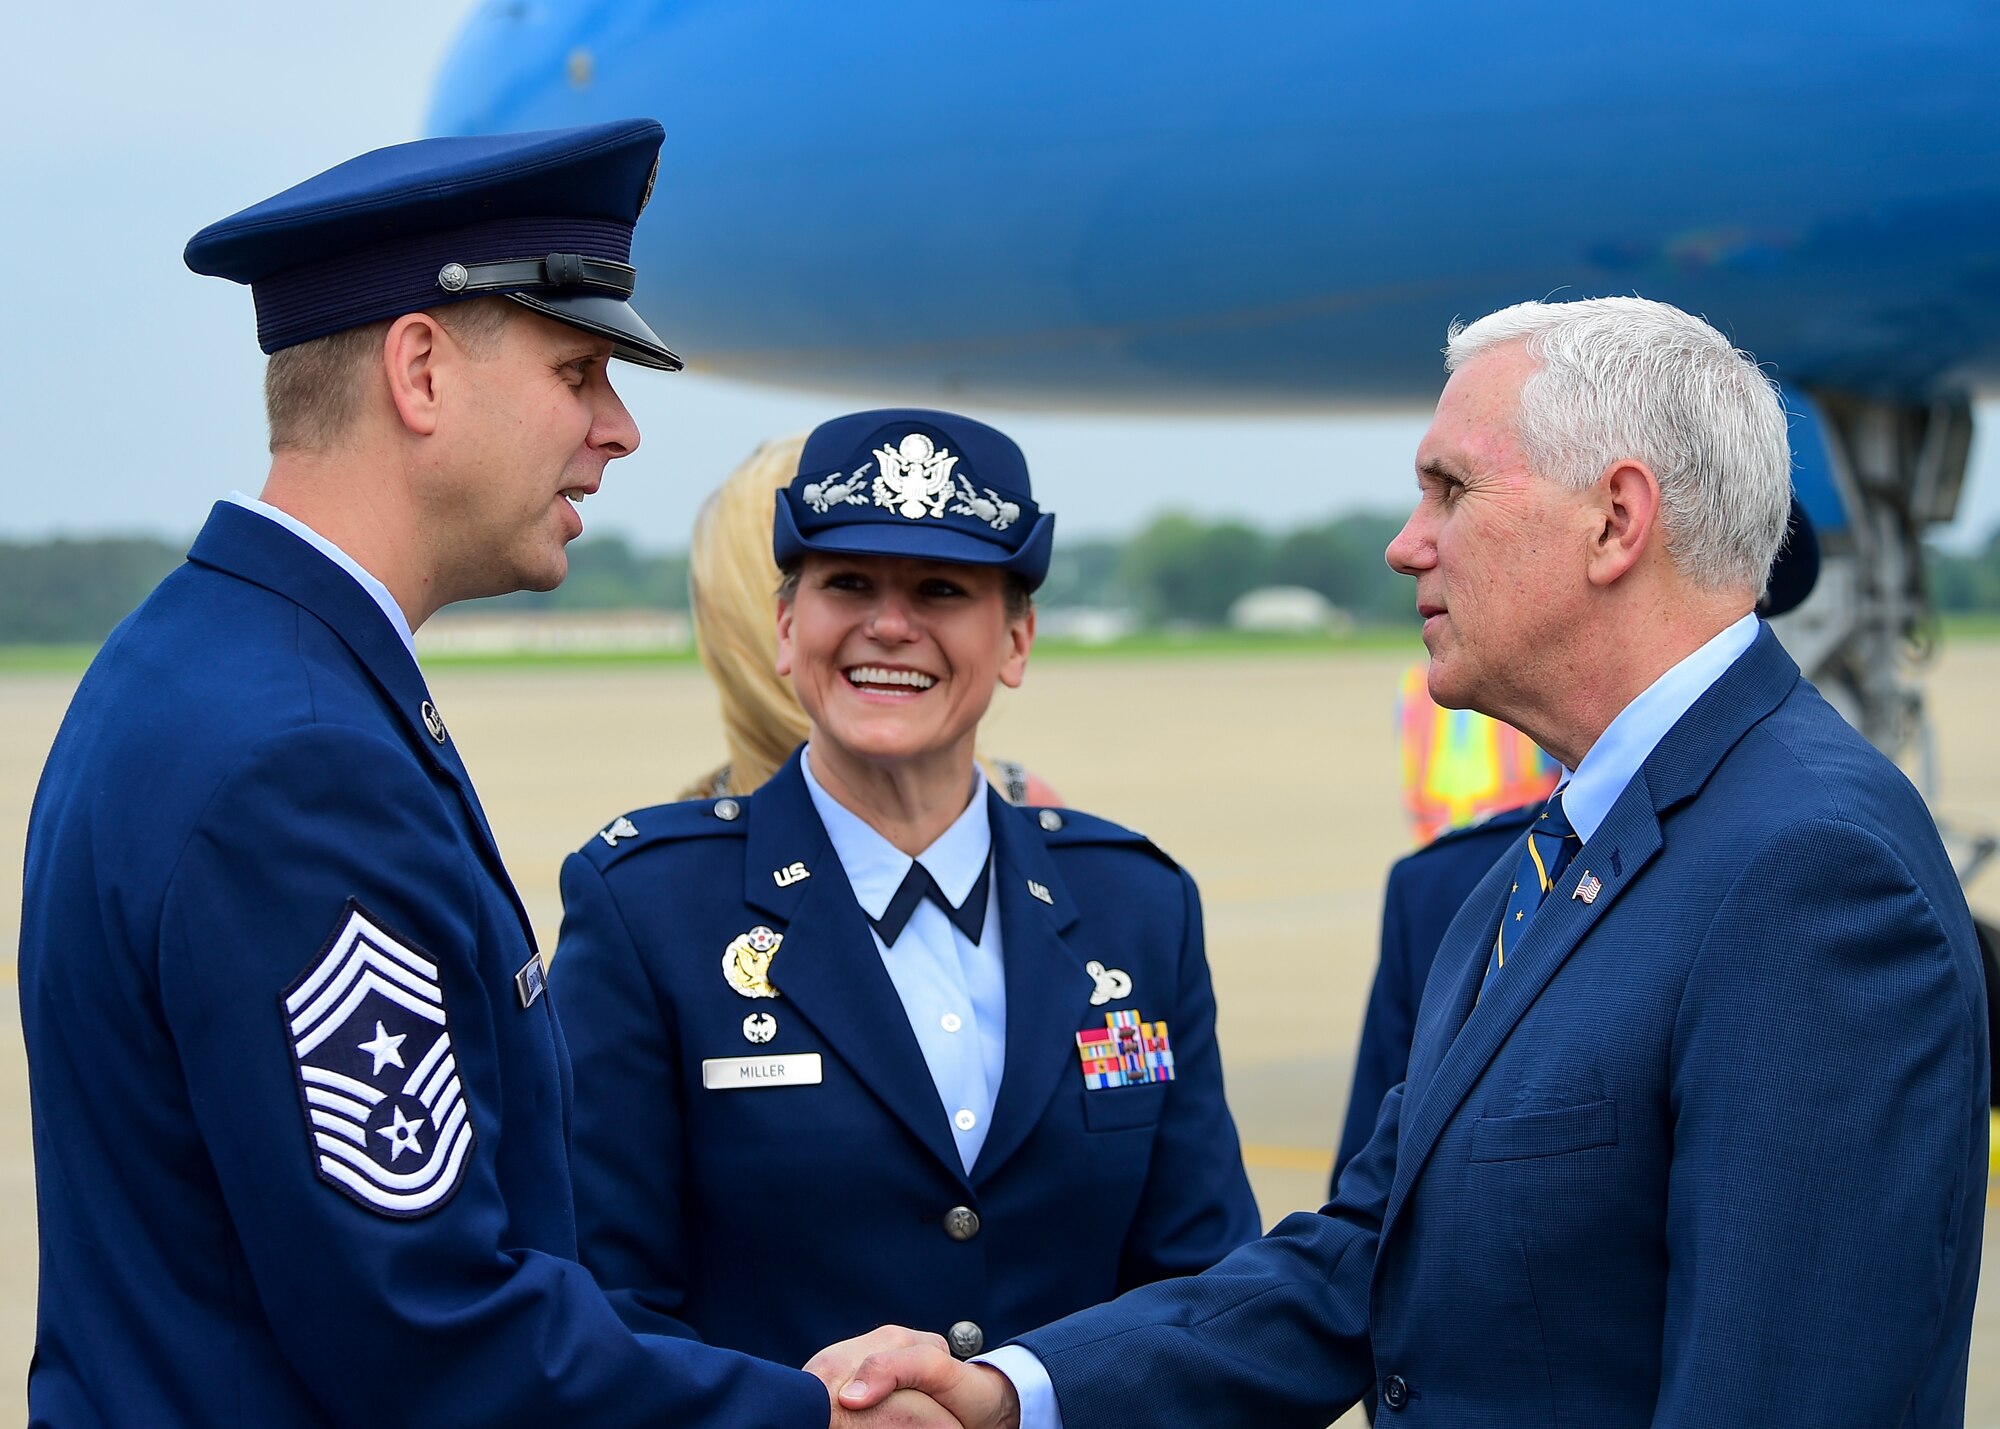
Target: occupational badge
point(371, 1048)
point(915, 477)
point(1113, 984)
point(759, 1027)
point(746, 962)
point(1125, 1052)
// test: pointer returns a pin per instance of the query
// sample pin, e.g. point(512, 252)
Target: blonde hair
point(733, 589)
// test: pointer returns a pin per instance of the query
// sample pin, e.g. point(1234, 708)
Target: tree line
point(1178, 569)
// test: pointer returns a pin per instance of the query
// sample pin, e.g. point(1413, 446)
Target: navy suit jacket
point(1424, 893)
point(778, 1219)
point(1711, 1151)
point(245, 769)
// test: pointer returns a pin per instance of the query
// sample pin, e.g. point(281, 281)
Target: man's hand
point(882, 1367)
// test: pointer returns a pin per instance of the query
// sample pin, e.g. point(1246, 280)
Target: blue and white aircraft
point(1280, 204)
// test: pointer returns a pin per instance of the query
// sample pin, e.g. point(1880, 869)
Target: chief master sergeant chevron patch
point(377, 1080)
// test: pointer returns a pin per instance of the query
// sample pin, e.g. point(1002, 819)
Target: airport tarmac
point(1273, 778)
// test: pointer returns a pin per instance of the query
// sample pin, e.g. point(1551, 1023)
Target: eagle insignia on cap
point(652, 177)
point(915, 481)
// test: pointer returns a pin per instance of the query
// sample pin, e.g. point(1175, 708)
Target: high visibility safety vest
point(1459, 765)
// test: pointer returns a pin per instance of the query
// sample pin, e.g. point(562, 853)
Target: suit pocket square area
point(1123, 1108)
point(1545, 1133)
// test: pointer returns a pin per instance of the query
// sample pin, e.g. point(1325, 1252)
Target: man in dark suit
point(1694, 1129)
point(300, 1098)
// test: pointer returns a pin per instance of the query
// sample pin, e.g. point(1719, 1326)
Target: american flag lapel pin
point(1587, 887)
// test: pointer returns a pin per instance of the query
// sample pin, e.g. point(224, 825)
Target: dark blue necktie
point(1551, 845)
point(969, 917)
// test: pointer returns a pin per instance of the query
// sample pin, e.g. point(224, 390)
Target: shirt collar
point(377, 592)
point(875, 867)
point(1589, 793)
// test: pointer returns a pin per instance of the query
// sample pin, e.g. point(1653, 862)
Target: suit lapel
point(1048, 991)
point(254, 548)
point(1457, 1040)
point(829, 968)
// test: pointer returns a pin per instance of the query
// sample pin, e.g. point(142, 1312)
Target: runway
point(1272, 778)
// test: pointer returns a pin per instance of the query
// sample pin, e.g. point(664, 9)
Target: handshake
point(894, 1378)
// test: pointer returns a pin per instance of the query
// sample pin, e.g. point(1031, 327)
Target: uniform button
point(1395, 1391)
point(967, 1339)
point(1050, 820)
point(727, 809)
point(951, 1022)
point(965, 1120)
point(961, 1223)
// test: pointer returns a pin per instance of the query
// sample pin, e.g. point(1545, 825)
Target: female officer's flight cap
point(545, 219)
point(907, 482)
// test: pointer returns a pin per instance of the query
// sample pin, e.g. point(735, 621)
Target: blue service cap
point(1796, 570)
point(545, 219)
point(904, 481)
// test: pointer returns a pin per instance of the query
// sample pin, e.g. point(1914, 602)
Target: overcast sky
point(132, 386)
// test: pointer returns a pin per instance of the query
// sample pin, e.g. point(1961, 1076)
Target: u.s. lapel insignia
point(371, 1047)
point(915, 477)
point(1588, 887)
point(1124, 1052)
point(793, 872)
point(1113, 984)
point(1039, 891)
point(746, 962)
point(759, 1027)
point(621, 828)
point(531, 981)
point(433, 721)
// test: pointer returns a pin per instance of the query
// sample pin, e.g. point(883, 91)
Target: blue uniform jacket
point(1712, 1151)
point(777, 1219)
point(246, 768)
point(1423, 896)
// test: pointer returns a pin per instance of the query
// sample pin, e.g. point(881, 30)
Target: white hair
point(1630, 378)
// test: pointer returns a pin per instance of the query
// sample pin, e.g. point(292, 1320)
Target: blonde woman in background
point(731, 583)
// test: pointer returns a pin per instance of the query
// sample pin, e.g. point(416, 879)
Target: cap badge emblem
point(915, 481)
point(652, 177)
point(837, 490)
point(453, 277)
point(746, 962)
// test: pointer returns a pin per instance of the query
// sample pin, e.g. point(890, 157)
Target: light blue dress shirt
point(377, 592)
point(954, 990)
point(1606, 768)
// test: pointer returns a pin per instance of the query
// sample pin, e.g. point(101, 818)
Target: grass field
point(1267, 769)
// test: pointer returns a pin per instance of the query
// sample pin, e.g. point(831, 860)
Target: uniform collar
point(377, 592)
point(875, 867)
point(1590, 792)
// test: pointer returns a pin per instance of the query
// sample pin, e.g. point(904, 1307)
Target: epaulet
point(1502, 821)
point(1063, 828)
point(666, 823)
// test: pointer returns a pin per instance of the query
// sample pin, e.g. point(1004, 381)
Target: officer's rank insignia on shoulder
point(377, 1079)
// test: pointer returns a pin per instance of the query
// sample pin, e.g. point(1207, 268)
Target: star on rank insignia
point(746, 962)
point(379, 1085)
point(1125, 1052)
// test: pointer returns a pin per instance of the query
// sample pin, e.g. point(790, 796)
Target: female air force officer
point(872, 1045)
